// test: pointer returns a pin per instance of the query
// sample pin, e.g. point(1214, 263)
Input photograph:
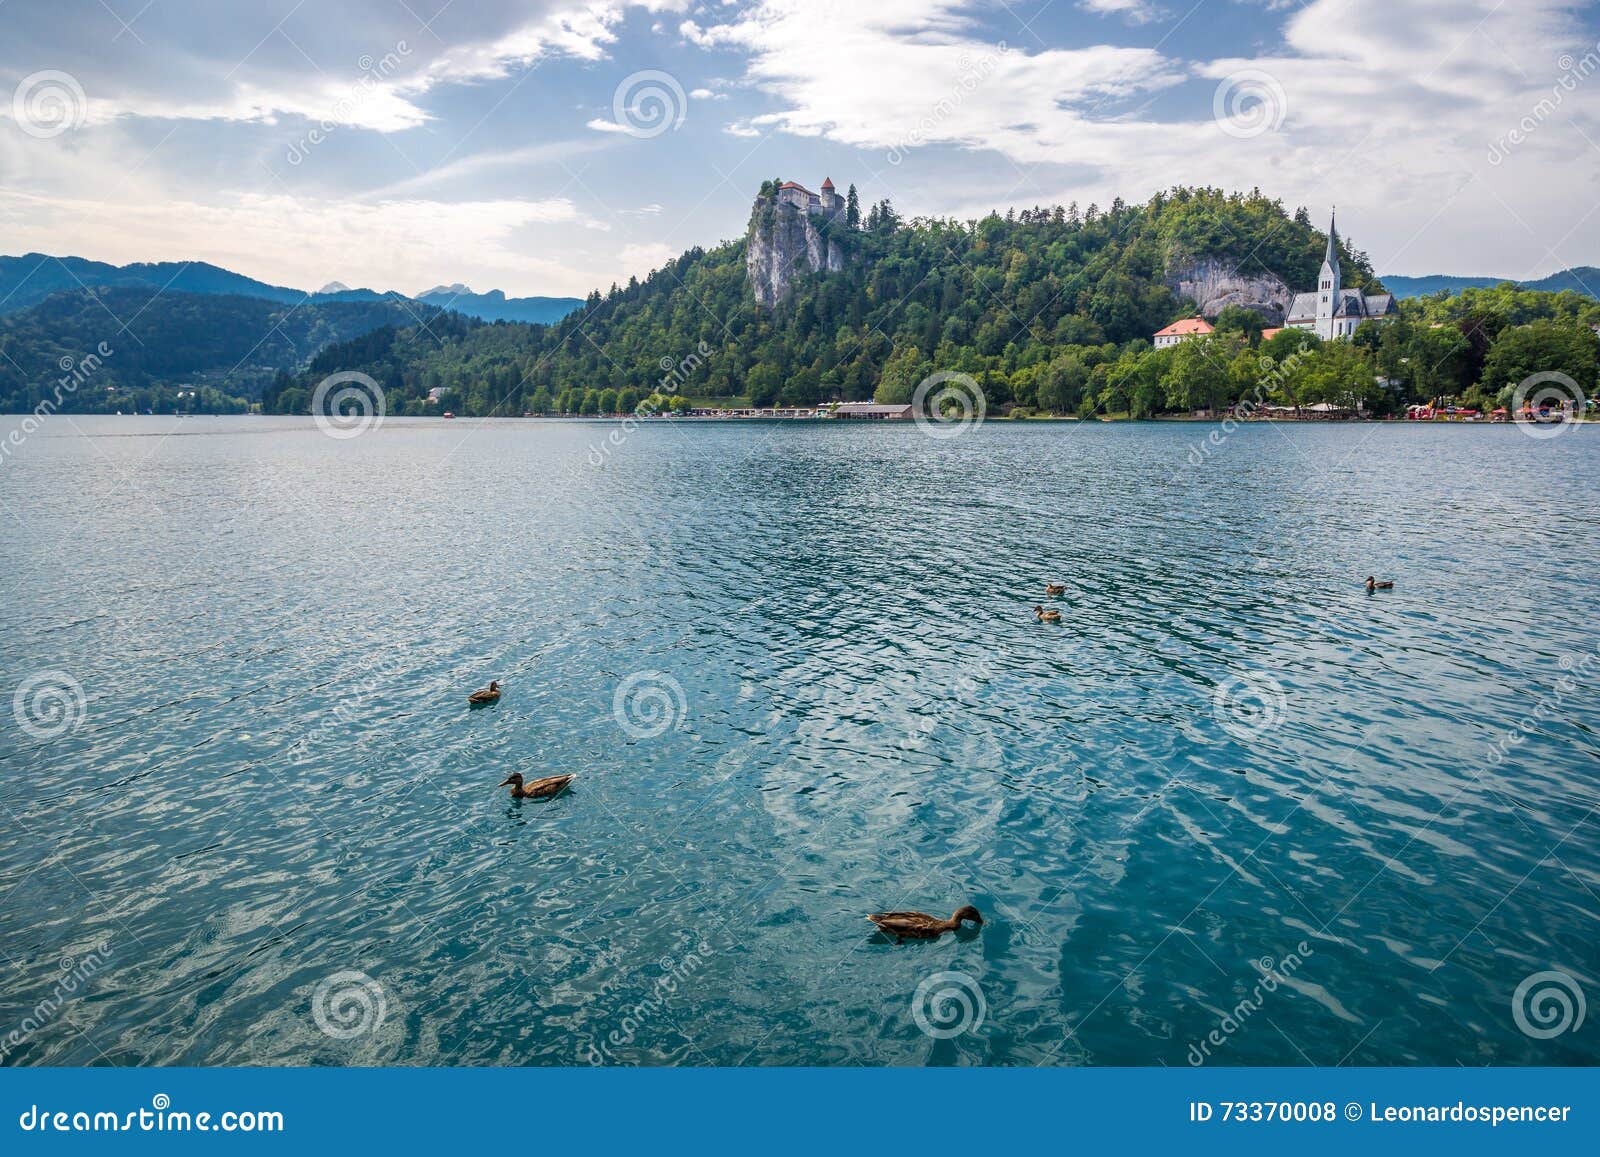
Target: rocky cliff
point(1214, 285)
point(784, 241)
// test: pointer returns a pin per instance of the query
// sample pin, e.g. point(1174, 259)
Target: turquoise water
point(836, 701)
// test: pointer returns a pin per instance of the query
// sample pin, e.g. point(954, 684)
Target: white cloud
point(638, 260)
point(860, 79)
point(381, 245)
point(365, 69)
point(1132, 11)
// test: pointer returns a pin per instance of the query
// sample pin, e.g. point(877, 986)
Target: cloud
point(367, 68)
point(858, 78)
point(1132, 11)
point(640, 259)
point(304, 242)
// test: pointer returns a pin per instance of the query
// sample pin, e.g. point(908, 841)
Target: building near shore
point(1331, 310)
point(872, 411)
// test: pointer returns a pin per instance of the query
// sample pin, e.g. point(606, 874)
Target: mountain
point(496, 306)
point(1583, 279)
point(29, 279)
point(134, 347)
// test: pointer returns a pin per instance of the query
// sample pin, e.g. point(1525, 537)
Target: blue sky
point(405, 143)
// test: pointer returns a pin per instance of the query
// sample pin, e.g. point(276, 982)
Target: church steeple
point(1329, 294)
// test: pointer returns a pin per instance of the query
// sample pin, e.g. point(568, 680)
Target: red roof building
point(1182, 331)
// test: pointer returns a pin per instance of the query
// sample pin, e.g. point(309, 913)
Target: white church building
point(1331, 310)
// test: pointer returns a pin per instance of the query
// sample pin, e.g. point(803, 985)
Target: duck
point(1055, 588)
point(546, 788)
point(490, 694)
point(1045, 616)
point(1374, 585)
point(905, 926)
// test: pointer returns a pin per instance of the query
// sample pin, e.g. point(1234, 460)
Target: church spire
point(1330, 293)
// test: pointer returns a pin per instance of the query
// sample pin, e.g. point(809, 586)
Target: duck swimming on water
point(905, 926)
point(1055, 588)
point(546, 788)
point(490, 694)
point(1045, 616)
point(1374, 585)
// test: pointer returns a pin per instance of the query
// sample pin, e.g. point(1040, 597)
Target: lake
point(1231, 810)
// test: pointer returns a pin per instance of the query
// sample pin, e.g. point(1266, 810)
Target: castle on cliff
point(793, 231)
point(827, 203)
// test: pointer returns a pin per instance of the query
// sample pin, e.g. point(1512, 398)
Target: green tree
point(1196, 376)
point(1542, 347)
point(901, 375)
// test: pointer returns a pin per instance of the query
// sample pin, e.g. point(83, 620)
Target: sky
point(552, 147)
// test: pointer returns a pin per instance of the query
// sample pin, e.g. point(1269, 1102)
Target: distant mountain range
point(164, 349)
point(27, 280)
point(496, 306)
point(1584, 279)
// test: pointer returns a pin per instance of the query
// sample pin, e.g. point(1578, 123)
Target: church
point(1331, 310)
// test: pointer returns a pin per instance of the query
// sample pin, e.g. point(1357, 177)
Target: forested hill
point(169, 350)
point(1580, 279)
point(999, 297)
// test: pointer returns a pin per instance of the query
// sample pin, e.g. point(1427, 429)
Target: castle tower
point(1329, 290)
point(831, 201)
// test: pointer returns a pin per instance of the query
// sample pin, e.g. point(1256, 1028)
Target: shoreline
point(710, 419)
